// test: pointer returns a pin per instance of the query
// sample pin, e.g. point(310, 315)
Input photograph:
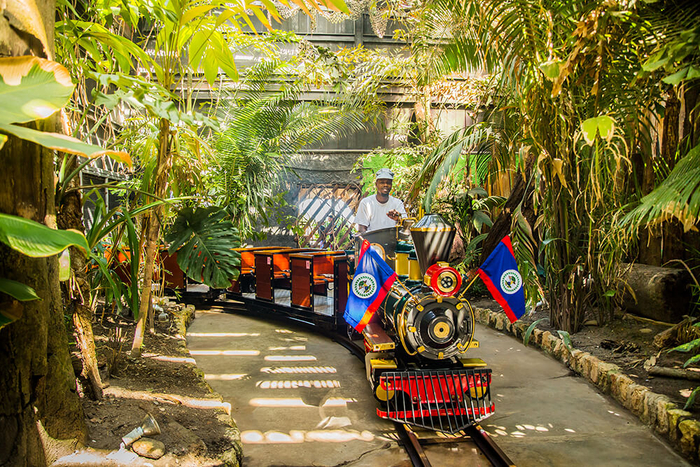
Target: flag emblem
point(364, 285)
point(511, 281)
point(500, 274)
point(368, 289)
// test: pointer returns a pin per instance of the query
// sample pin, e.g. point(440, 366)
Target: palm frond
point(678, 196)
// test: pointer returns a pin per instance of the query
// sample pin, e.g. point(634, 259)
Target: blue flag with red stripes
point(500, 274)
point(372, 281)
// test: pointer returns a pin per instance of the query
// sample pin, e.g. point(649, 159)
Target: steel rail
point(412, 445)
point(488, 447)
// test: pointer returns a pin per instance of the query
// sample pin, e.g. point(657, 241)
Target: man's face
point(384, 186)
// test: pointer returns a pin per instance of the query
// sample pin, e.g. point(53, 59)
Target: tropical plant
point(186, 38)
point(567, 74)
point(204, 242)
point(262, 130)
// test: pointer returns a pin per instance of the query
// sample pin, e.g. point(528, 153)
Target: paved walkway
point(300, 400)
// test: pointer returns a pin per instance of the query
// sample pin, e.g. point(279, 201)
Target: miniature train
point(415, 344)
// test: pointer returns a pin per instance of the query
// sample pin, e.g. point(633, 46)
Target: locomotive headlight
point(443, 279)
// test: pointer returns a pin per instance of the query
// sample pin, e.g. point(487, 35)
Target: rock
point(662, 294)
point(150, 448)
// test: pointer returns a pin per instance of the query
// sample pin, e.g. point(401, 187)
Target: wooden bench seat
point(247, 267)
point(273, 270)
point(314, 273)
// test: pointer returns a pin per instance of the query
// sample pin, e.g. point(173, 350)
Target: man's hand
point(394, 215)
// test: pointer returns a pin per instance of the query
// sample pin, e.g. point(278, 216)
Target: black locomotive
point(415, 345)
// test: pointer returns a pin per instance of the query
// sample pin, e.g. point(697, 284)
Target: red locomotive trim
point(425, 413)
point(436, 388)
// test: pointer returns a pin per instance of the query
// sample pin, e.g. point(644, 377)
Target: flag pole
point(406, 289)
point(468, 285)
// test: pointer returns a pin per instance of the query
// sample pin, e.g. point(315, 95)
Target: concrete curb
point(665, 417)
point(182, 316)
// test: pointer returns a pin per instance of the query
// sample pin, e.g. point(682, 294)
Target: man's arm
point(362, 228)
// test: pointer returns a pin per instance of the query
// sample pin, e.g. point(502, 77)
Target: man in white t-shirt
point(382, 210)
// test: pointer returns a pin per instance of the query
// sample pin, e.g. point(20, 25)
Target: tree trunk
point(70, 216)
point(39, 404)
point(151, 235)
point(37, 383)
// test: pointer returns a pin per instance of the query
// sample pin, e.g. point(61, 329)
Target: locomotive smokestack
point(432, 238)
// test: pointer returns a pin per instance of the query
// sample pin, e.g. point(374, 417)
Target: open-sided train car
point(415, 345)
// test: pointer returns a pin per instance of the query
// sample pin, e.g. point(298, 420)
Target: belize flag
point(500, 274)
point(372, 281)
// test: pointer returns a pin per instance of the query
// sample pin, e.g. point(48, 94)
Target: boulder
point(661, 294)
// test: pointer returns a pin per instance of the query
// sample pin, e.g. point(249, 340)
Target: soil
point(166, 384)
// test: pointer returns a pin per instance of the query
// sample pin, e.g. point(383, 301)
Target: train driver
point(382, 210)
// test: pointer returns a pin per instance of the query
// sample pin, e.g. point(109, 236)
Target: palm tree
point(262, 129)
point(569, 74)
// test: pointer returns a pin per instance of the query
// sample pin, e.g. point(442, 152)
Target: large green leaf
point(32, 88)
point(37, 240)
point(204, 243)
point(64, 143)
point(17, 290)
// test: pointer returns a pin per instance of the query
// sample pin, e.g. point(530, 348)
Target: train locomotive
point(415, 345)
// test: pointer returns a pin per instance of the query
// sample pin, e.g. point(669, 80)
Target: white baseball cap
point(384, 173)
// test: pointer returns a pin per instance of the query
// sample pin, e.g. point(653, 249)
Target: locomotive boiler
point(416, 343)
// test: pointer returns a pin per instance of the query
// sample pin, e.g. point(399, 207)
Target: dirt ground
point(164, 383)
point(195, 430)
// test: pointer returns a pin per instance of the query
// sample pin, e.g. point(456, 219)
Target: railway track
point(408, 438)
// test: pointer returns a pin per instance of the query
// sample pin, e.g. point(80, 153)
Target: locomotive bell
point(432, 237)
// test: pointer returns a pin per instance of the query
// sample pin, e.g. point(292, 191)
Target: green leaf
point(204, 243)
point(32, 88)
point(592, 126)
point(566, 338)
point(64, 143)
point(37, 240)
point(551, 69)
point(691, 360)
point(687, 347)
point(528, 332)
point(17, 290)
point(691, 399)
point(656, 61)
point(677, 77)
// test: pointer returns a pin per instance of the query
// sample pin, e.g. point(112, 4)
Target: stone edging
point(182, 316)
point(668, 419)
